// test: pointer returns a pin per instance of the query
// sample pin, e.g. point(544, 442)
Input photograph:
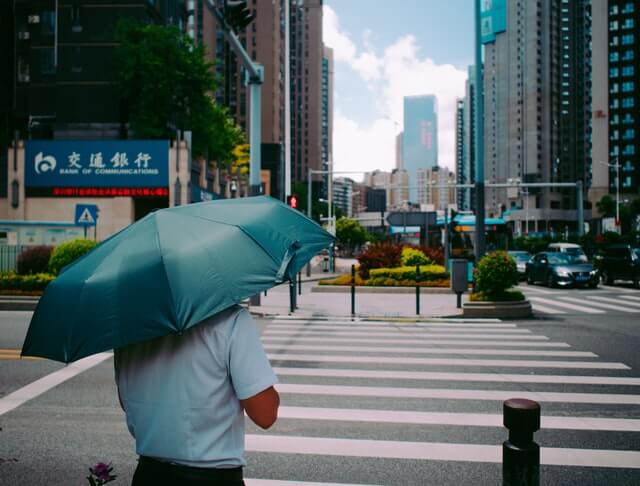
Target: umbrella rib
point(275, 260)
point(164, 269)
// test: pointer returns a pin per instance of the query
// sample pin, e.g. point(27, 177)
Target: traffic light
point(292, 201)
point(237, 15)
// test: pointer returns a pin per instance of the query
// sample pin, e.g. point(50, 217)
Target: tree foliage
point(496, 272)
point(350, 233)
point(166, 84)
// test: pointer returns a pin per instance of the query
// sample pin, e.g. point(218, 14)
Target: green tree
point(607, 206)
point(166, 84)
point(350, 233)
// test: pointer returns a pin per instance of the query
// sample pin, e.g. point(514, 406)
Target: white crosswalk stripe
point(631, 304)
point(596, 303)
point(336, 364)
point(630, 297)
point(565, 305)
point(588, 302)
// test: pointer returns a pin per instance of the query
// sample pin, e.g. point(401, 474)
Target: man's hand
point(263, 407)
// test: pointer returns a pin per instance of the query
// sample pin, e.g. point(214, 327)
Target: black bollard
point(520, 454)
point(292, 295)
point(417, 290)
point(458, 300)
point(299, 283)
point(353, 290)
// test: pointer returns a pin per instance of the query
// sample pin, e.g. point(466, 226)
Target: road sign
point(414, 218)
point(86, 214)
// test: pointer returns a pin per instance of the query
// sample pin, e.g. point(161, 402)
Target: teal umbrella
point(168, 272)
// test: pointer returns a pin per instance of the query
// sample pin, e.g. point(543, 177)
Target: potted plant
point(495, 275)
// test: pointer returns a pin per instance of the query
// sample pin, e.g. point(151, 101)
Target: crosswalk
point(415, 396)
point(589, 302)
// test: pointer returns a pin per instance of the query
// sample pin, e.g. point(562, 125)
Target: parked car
point(521, 258)
point(619, 262)
point(560, 269)
point(572, 249)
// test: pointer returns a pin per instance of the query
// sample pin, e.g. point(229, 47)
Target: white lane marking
point(437, 342)
point(277, 482)
point(545, 309)
point(618, 289)
point(359, 319)
point(408, 325)
point(633, 306)
point(444, 418)
point(434, 451)
point(631, 297)
point(530, 288)
point(401, 332)
point(556, 303)
point(393, 329)
point(601, 305)
point(447, 376)
point(508, 363)
point(46, 383)
point(386, 349)
point(457, 394)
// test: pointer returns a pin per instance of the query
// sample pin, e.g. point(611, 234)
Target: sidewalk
point(315, 304)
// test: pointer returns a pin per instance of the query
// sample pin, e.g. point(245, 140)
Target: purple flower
point(102, 473)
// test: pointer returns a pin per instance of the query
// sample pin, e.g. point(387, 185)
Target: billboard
point(98, 168)
point(493, 19)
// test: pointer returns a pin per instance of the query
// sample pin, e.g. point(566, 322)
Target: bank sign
point(102, 168)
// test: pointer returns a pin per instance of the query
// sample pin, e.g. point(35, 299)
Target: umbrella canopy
point(168, 272)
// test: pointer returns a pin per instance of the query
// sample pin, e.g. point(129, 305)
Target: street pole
point(308, 208)
point(479, 186)
point(618, 225)
point(580, 208)
point(287, 104)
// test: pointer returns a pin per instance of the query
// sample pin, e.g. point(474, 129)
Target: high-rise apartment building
point(537, 78)
point(461, 163)
point(264, 41)
point(431, 191)
point(420, 138)
point(624, 94)
point(469, 149)
point(327, 112)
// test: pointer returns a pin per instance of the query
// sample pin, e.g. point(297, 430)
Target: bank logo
point(44, 163)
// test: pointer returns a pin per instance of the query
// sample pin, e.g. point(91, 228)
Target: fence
point(9, 257)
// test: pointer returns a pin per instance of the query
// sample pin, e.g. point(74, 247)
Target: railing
point(9, 257)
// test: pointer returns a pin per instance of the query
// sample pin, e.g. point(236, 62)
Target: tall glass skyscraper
point(420, 138)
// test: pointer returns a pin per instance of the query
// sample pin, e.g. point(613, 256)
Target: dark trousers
point(151, 472)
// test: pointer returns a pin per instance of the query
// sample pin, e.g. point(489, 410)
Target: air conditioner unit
point(33, 19)
point(25, 35)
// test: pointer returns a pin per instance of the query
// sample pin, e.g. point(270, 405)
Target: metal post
point(479, 235)
point(618, 223)
point(255, 187)
point(353, 290)
point(520, 454)
point(580, 208)
point(299, 283)
point(292, 295)
point(417, 290)
point(308, 210)
point(287, 106)
point(458, 300)
point(446, 238)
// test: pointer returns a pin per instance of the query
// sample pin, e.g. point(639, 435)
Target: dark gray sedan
point(560, 269)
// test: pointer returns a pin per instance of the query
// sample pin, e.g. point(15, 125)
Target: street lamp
point(617, 167)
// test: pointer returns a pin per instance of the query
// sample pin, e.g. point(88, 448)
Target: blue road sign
point(86, 214)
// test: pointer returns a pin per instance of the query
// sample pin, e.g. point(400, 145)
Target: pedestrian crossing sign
point(86, 214)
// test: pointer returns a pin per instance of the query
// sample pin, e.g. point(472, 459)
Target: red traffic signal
point(292, 201)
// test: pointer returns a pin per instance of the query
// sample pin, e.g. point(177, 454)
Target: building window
point(613, 73)
point(48, 22)
point(628, 55)
point(627, 39)
point(613, 57)
point(613, 25)
point(627, 102)
point(628, 7)
point(628, 24)
point(627, 86)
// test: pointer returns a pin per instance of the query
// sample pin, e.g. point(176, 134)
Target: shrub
point(427, 273)
point(379, 255)
point(496, 272)
point(13, 281)
point(412, 256)
point(505, 296)
point(436, 255)
point(67, 252)
point(344, 279)
point(34, 260)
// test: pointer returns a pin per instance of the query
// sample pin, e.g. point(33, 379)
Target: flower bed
point(430, 276)
point(13, 284)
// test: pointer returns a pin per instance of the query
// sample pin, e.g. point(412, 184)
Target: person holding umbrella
point(164, 294)
point(184, 397)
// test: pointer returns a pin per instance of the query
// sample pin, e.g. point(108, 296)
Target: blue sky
point(387, 49)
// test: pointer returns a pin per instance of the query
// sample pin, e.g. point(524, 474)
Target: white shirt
point(181, 393)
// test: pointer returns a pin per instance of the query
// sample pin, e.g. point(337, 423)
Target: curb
point(336, 289)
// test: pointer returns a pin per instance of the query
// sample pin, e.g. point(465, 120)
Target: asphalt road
point(377, 403)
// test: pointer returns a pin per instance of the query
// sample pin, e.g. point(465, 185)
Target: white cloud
point(399, 71)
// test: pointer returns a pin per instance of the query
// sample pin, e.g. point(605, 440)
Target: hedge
point(33, 282)
point(427, 273)
point(412, 257)
point(68, 252)
point(34, 259)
